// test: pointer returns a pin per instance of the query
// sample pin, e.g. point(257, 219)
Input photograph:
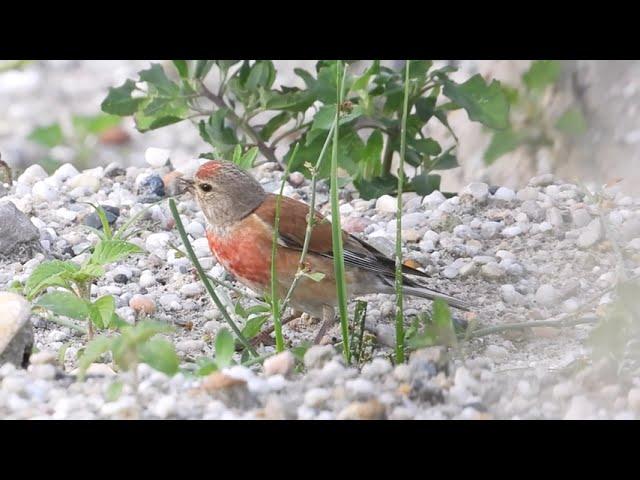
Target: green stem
point(275, 306)
point(399, 295)
point(205, 280)
point(336, 229)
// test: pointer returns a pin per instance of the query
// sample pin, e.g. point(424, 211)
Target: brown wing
point(292, 230)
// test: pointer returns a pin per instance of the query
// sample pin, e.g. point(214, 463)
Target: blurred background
point(585, 126)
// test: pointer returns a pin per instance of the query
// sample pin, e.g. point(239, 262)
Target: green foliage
point(81, 137)
point(437, 329)
point(74, 301)
point(369, 116)
point(534, 128)
point(134, 345)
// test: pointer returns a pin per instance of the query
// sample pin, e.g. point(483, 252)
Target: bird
point(240, 217)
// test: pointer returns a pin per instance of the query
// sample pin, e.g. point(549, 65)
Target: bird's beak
point(186, 185)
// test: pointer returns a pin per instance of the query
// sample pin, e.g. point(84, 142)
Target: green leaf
point(293, 101)
point(427, 146)
point(274, 124)
point(94, 124)
point(114, 390)
point(146, 329)
point(156, 77)
point(205, 366)
point(225, 65)
point(202, 68)
point(225, 346)
point(541, 73)
point(106, 227)
point(64, 303)
point(445, 161)
point(502, 143)
point(262, 74)
point(49, 136)
point(247, 160)
point(371, 163)
point(92, 352)
point(572, 122)
point(160, 355)
point(182, 66)
point(253, 326)
point(418, 69)
point(109, 251)
point(363, 81)
point(376, 187)
point(101, 311)
point(215, 132)
point(443, 325)
point(484, 103)
point(88, 272)
point(425, 107)
point(315, 276)
point(48, 274)
point(119, 100)
point(424, 184)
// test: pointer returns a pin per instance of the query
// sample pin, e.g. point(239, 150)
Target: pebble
point(280, 364)
point(65, 172)
point(151, 189)
point(32, 174)
point(191, 289)
point(512, 231)
point(546, 295)
point(580, 217)
point(85, 181)
point(147, 279)
point(142, 304)
point(156, 157)
point(527, 193)
point(16, 331)
point(434, 199)
point(492, 271)
point(479, 191)
point(318, 355)
point(170, 301)
point(633, 399)
point(511, 296)
point(505, 194)
point(590, 234)
point(386, 204)
point(43, 191)
point(542, 180)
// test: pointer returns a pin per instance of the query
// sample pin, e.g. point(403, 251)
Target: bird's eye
point(205, 187)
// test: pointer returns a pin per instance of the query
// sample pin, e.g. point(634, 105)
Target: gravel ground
point(517, 256)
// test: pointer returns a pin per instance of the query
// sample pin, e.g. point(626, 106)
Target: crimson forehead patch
point(208, 169)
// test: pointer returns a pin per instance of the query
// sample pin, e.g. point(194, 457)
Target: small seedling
point(224, 349)
point(436, 330)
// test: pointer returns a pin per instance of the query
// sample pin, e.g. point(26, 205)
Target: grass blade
point(336, 229)
point(399, 296)
point(205, 280)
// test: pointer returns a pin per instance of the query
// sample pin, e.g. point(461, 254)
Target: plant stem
point(336, 230)
point(233, 116)
point(561, 322)
point(68, 324)
point(399, 295)
point(310, 219)
point(275, 306)
point(388, 157)
point(205, 280)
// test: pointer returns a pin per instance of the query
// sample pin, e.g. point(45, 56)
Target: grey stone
point(16, 331)
point(19, 238)
point(590, 234)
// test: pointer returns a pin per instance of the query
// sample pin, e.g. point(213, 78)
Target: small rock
point(527, 193)
point(221, 381)
point(504, 194)
point(633, 399)
point(65, 172)
point(296, 179)
point(280, 364)
point(164, 407)
point(479, 191)
point(512, 231)
point(546, 295)
point(147, 279)
point(32, 174)
point(151, 189)
point(554, 216)
point(190, 346)
point(590, 234)
point(434, 199)
point(16, 331)
point(492, 271)
point(42, 357)
point(511, 296)
point(86, 180)
point(170, 301)
point(191, 289)
point(489, 229)
point(317, 356)
point(115, 135)
point(386, 204)
point(580, 217)
point(142, 305)
point(316, 397)
point(580, 409)
point(542, 180)
point(18, 236)
point(43, 191)
point(496, 352)
point(114, 170)
point(93, 219)
point(156, 157)
point(369, 410)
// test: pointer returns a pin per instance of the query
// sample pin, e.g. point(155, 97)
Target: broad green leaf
point(484, 103)
point(109, 251)
point(182, 66)
point(572, 122)
point(502, 142)
point(442, 323)
point(274, 124)
point(308, 79)
point(146, 329)
point(47, 274)
point(363, 81)
point(205, 366)
point(376, 187)
point(445, 161)
point(292, 101)
point(424, 184)
point(92, 352)
point(155, 76)
point(425, 107)
point(49, 136)
point(160, 355)
point(247, 160)
point(253, 326)
point(418, 69)
point(101, 311)
point(64, 303)
point(225, 346)
point(225, 64)
point(114, 390)
point(427, 146)
point(88, 272)
point(262, 74)
point(371, 162)
point(202, 68)
point(215, 132)
point(541, 73)
point(94, 124)
point(119, 100)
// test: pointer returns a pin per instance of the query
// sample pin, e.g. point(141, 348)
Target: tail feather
point(424, 292)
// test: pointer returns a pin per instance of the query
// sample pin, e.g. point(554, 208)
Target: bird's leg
point(328, 319)
point(264, 337)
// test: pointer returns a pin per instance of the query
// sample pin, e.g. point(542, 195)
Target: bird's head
point(225, 192)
